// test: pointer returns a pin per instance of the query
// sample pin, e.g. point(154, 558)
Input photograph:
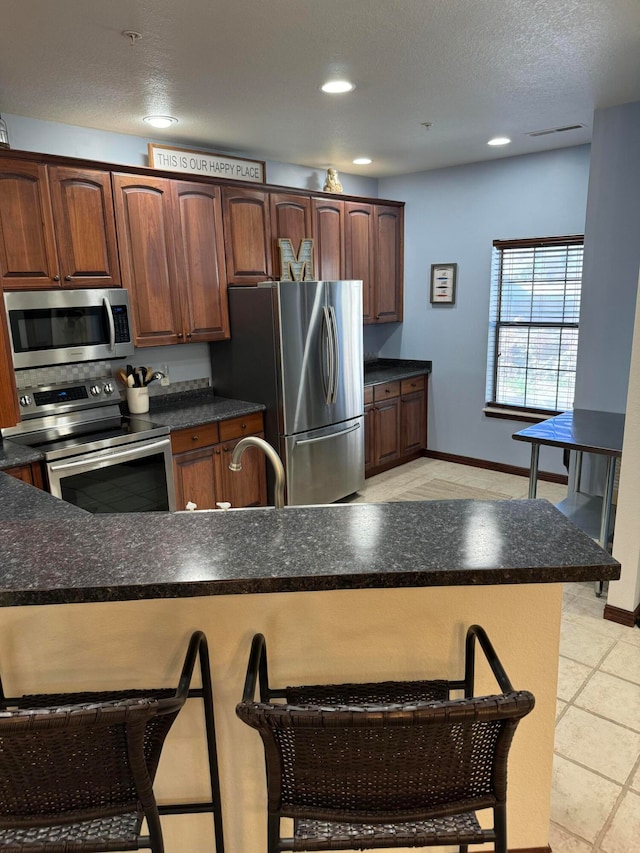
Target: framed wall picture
point(443, 284)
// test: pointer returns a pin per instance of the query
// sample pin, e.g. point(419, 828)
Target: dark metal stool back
point(392, 764)
point(77, 769)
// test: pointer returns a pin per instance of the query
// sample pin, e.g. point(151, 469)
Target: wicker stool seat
point(388, 764)
point(458, 829)
point(77, 769)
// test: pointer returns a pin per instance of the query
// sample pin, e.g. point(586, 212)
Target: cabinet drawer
point(237, 427)
point(386, 390)
point(191, 439)
point(416, 383)
point(368, 394)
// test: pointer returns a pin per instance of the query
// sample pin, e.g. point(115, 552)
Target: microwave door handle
point(112, 329)
point(119, 456)
point(327, 437)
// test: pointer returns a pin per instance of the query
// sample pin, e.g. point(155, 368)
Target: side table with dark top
point(581, 431)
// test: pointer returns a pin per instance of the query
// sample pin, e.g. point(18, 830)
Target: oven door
point(130, 478)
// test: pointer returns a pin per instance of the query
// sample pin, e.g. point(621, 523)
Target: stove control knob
point(108, 388)
point(25, 400)
point(95, 390)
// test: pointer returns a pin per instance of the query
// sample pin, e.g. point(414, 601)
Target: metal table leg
point(605, 522)
point(533, 470)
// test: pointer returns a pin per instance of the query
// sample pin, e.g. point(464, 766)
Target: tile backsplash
point(61, 373)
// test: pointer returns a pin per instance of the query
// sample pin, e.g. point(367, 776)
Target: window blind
point(535, 315)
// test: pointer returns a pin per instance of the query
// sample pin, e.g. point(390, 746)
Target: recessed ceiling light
point(160, 121)
point(499, 140)
point(362, 161)
point(338, 87)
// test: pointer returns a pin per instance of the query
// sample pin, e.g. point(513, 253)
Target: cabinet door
point(85, 228)
point(359, 251)
point(242, 488)
point(247, 235)
point(413, 422)
point(146, 237)
point(388, 292)
point(194, 475)
point(31, 474)
point(9, 412)
point(387, 432)
point(28, 257)
point(369, 437)
point(328, 232)
point(290, 217)
point(200, 261)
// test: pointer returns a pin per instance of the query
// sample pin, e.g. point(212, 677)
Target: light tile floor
point(595, 805)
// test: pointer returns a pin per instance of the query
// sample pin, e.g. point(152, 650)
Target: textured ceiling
point(244, 75)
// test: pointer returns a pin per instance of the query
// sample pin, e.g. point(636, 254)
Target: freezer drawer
point(325, 464)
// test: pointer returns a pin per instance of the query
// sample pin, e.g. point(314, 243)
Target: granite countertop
point(20, 501)
point(347, 546)
point(390, 369)
point(12, 454)
point(194, 408)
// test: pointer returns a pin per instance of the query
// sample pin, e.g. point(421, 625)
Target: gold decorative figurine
point(332, 183)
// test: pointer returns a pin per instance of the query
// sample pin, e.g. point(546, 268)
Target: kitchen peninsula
point(373, 591)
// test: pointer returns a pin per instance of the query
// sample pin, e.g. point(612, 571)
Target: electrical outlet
point(166, 379)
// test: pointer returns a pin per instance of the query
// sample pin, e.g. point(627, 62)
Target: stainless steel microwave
point(65, 326)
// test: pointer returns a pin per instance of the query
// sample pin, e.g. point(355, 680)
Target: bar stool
point(77, 769)
point(392, 764)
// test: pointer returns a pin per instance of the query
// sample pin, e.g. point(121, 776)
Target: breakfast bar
point(342, 592)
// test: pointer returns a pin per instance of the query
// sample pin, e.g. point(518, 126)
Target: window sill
point(517, 414)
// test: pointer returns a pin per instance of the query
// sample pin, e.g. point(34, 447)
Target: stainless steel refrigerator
point(297, 348)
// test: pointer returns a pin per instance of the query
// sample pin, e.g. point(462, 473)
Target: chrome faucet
point(272, 456)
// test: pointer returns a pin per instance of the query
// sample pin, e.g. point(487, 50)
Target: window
point(533, 329)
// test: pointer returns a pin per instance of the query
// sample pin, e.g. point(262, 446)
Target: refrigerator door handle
point(336, 353)
point(329, 350)
point(331, 435)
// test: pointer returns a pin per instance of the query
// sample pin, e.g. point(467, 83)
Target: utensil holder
point(138, 400)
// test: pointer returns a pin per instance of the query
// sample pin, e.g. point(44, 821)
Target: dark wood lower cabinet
point(202, 474)
point(31, 474)
point(395, 423)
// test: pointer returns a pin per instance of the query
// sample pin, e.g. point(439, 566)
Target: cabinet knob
point(189, 335)
point(56, 278)
point(67, 278)
point(217, 453)
point(180, 335)
point(194, 438)
point(243, 426)
point(227, 449)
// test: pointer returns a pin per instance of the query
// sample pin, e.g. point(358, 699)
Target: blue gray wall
point(611, 260)
point(452, 216)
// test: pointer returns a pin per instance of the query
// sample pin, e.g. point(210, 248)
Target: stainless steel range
point(94, 457)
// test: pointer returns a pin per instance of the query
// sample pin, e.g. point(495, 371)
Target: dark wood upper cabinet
point(389, 250)
point(85, 228)
point(290, 218)
point(57, 227)
point(200, 259)
point(247, 235)
point(328, 231)
point(28, 256)
point(359, 250)
point(146, 239)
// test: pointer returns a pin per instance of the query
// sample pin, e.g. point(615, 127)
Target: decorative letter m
point(296, 267)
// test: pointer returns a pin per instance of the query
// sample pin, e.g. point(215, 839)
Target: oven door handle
point(118, 456)
point(112, 329)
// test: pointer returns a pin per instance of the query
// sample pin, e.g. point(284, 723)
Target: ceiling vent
point(555, 130)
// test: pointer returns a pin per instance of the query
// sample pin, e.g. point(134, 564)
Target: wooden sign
point(296, 267)
point(171, 159)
